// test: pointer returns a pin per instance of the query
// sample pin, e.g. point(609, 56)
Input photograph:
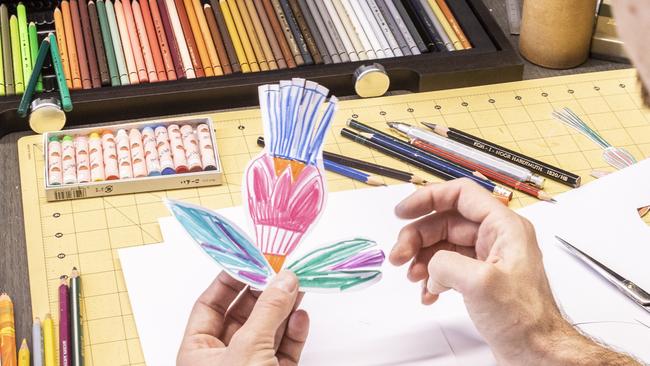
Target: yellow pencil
point(23, 354)
point(49, 345)
point(234, 35)
point(243, 36)
point(445, 24)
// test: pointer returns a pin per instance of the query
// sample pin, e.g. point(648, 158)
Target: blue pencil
point(352, 173)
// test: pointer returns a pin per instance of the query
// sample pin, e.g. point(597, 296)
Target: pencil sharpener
point(371, 81)
point(46, 115)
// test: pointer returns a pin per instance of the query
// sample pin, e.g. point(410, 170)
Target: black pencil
point(425, 26)
point(547, 170)
point(384, 171)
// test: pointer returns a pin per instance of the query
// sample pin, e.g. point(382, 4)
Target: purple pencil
point(64, 323)
point(171, 40)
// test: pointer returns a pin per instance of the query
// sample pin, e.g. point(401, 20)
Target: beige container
point(557, 33)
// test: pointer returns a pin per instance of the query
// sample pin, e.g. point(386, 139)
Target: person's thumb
point(273, 306)
point(451, 270)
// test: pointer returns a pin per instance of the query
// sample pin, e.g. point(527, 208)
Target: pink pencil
point(144, 42)
point(135, 42)
point(126, 43)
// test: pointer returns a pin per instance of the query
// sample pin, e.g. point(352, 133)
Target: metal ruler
point(513, 8)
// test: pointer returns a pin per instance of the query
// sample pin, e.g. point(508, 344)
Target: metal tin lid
point(371, 81)
point(46, 115)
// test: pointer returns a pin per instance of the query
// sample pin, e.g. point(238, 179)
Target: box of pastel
point(129, 158)
point(127, 59)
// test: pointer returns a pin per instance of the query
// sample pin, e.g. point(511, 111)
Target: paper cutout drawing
point(285, 195)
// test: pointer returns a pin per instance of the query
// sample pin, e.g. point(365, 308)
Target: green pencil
point(33, 78)
point(75, 319)
point(7, 59)
point(64, 92)
point(25, 50)
point(2, 71)
point(108, 43)
point(15, 55)
point(33, 46)
point(117, 44)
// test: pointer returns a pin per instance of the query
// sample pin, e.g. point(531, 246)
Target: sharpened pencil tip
point(553, 200)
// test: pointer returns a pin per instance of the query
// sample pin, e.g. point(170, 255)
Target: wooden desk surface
point(13, 259)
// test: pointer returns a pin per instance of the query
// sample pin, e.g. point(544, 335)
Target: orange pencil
point(75, 73)
point(126, 43)
point(8, 356)
point(59, 29)
point(198, 38)
point(147, 17)
point(207, 38)
point(168, 61)
point(135, 42)
point(144, 42)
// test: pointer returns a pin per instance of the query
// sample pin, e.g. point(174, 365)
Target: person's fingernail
point(430, 285)
point(285, 281)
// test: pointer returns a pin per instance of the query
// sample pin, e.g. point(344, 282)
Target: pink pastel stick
point(164, 151)
point(83, 161)
point(206, 147)
point(111, 171)
point(54, 174)
point(150, 151)
point(137, 153)
point(96, 158)
point(178, 151)
point(69, 164)
point(191, 145)
point(123, 155)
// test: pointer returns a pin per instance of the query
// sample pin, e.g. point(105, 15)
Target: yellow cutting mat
point(87, 233)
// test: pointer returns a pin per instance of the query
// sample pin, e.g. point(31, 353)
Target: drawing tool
point(49, 343)
point(82, 58)
point(384, 28)
point(33, 48)
point(7, 51)
point(2, 73)
point(393, 27)
point(162, 47)
point(25, 49)
point(356, 28)
point(352, 173)
point(125, 40)
point(376, 28)
point(245, 41)
point(8, 355)
point(249, 28)
point(265, 6)
point(310, 7)
point(225, 35)
point(207, 38)
point(286, 29)
point(303, 12)
point(424, 25)
point(98, 43)
point(107, 41)
point(201, 49)
point(339, 29)
point(513, 11)
point(63, 47)
point(184, 37)
point(454, 24)
point(134, 41)
point(64, 323)
point(408, 22)
point(116, 39)
point(71, 46)
point(234, 37)
point(166, 34)
point(437, 25)
point(89, 44)
point(261, 35)
point(369, 31)
point(318, 7)
point(76, 332)
point(23, 354)
point(444, 27)
point(152, 41)
point(310, 40)
point(215, 33)
point(64, 92)
point(37, 343)
point(402, 27)
point(534, 165)
point(271, 35)
point(145, 48)
point(16, 55)
point(295, 30)
point(26, 100)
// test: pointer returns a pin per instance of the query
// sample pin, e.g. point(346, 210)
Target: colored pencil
point(425, 26)
point(437, 25)
point(136, 48)
point(188, 38)
point(332, 50)
point(288, 34)
point(82, 57)
point(234, 36)
point(454, 24)
point(63, 46)
point(446, 26)
point(109, 48)
point(152, 40)
point(26, 100)
point(2, 71)
point(352, 173)
point(279, 32)
point(329, 27)
point(33, 48)
point(393, 27)
point(25, 49)
point(356, 28)
point(64, 323)
point(253, 62)
point(311, 40)
point(339, 28)
point(76, 331)
point(408, 22)
point(405, 26)
point(64, 92)
point(201, 49)
point(225, 35)
point(207, 38)
point(271, 37)
point(349, 28)
point(116, 39)
point(168, 32)
point(125, 40)
point(37, 343)
point(295, 31)
point(23, 354)
point(145, 48)
point(249, 29)
point(215, 33)
point(385, 28)
point(89, 44)
point(374, 20)
point(7, 51)
point(261, 43)
point(547, 170)
point(360, 15)
point(71, 46)
point(98, 42)
point(16, 55)
point(49, 343)
point(8, 355)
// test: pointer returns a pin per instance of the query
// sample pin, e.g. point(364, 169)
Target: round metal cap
point(46, 115)
point(371, 81)
point(537, 181)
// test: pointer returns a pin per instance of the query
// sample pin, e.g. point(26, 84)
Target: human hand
point(231, 327)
